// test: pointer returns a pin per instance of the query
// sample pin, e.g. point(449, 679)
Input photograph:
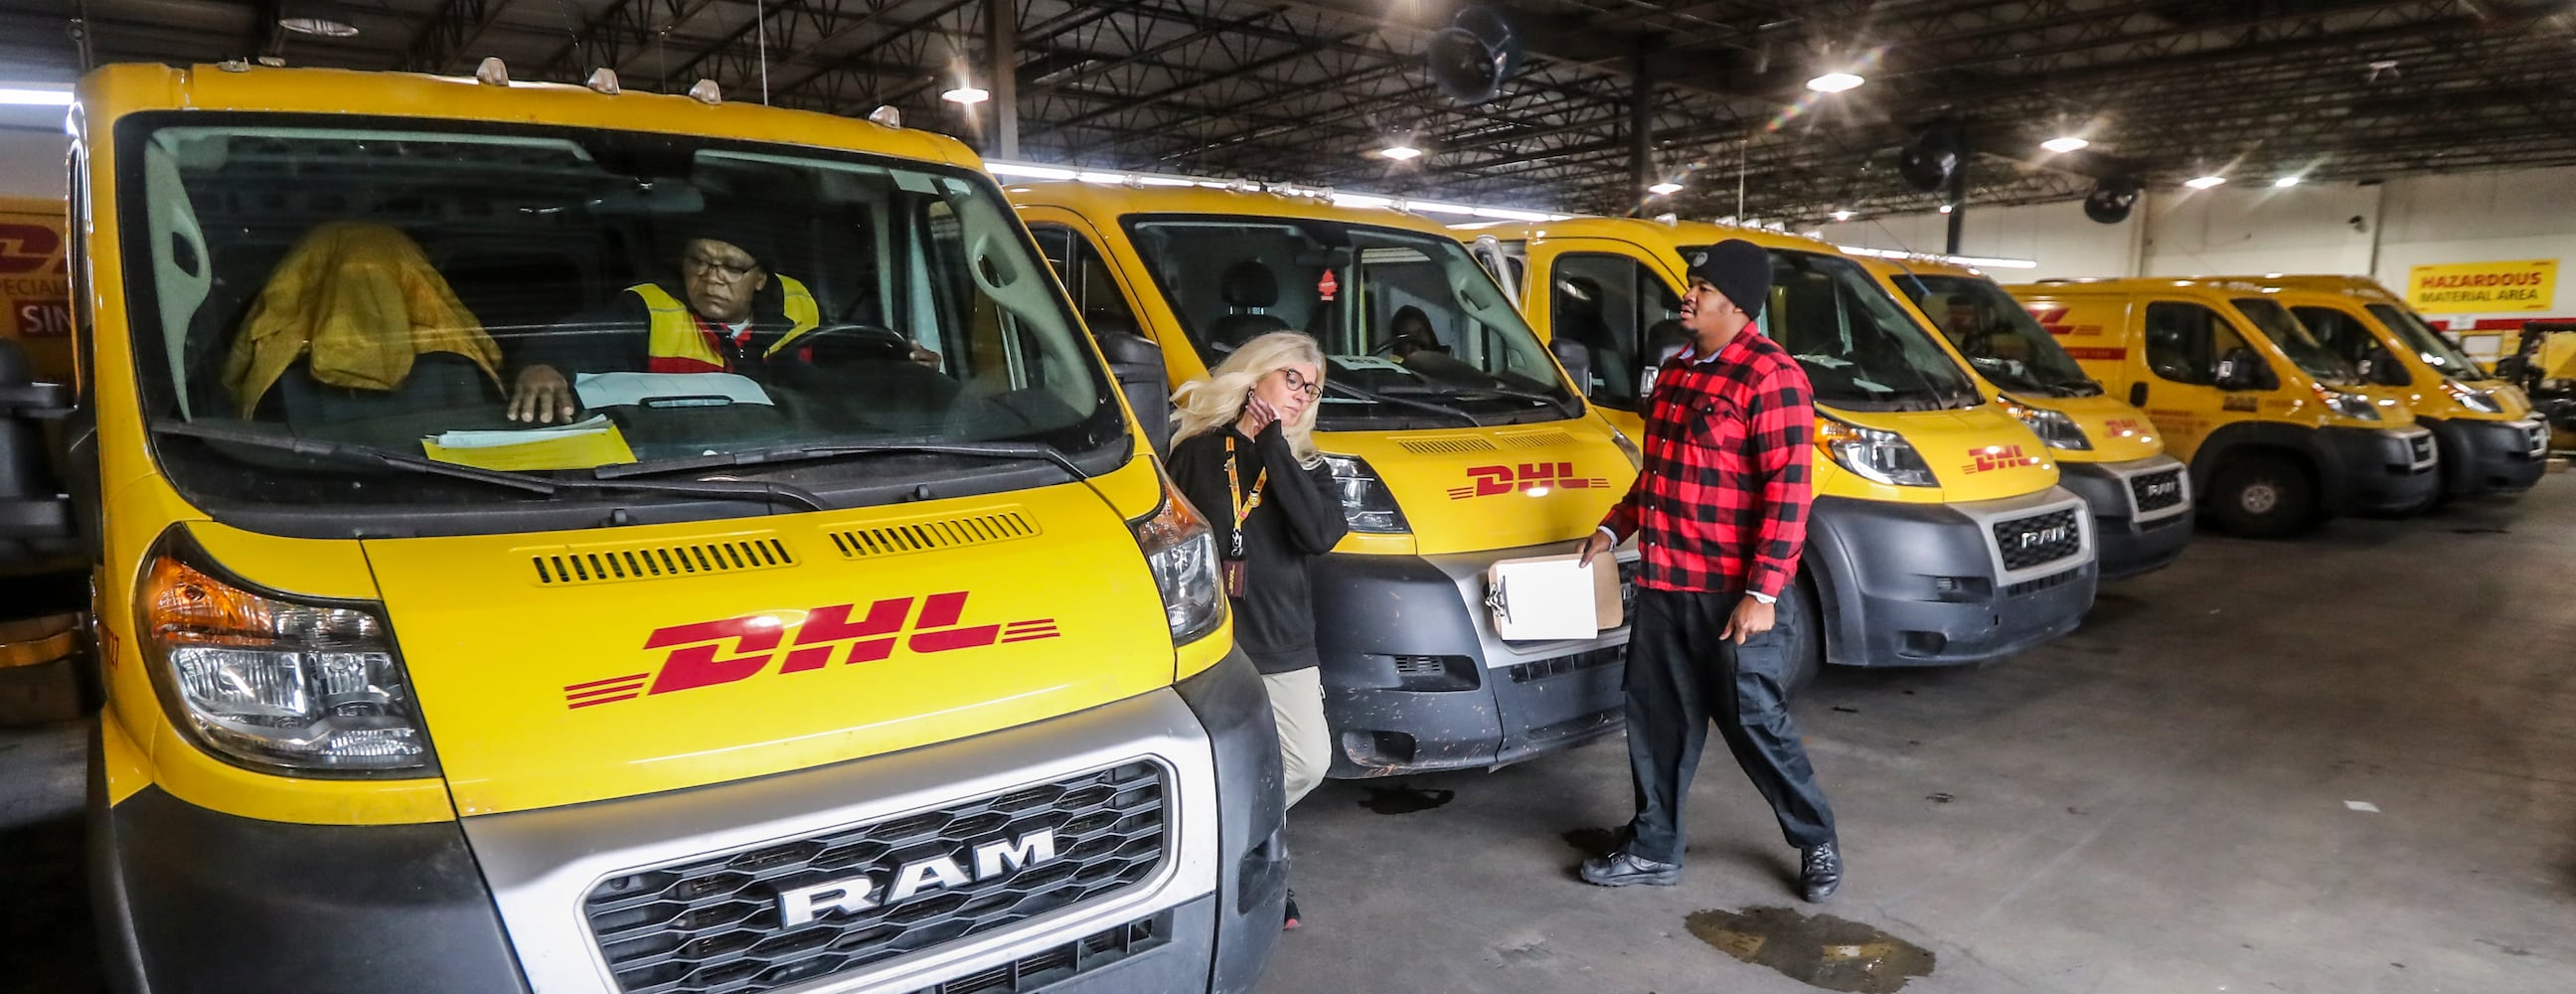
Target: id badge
point(1233, 577)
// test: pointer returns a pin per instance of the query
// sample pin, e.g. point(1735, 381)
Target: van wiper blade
point(776, 493)
point(835, 450)
point(1554, 403)
point(1348, 390)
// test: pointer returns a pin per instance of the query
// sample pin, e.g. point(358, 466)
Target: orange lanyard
point(1234, 492)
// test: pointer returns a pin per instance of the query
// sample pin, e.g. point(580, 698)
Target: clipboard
point(1553, 598)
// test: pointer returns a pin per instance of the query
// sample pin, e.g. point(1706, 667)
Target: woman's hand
point(1257, 416)
point(541, 395)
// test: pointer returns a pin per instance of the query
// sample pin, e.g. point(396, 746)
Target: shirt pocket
point(1719, 435)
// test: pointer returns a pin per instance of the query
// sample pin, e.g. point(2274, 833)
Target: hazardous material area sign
point(2483, 287)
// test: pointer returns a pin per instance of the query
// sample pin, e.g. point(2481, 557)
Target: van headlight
point(1180, 550)
point(2475, 400)
point(1367, 503)
point(2052, 427)
point(2350, 405)
point(1873, 454)
point(275, 682)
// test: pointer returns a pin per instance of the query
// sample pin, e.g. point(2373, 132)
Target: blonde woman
point(1244, 453)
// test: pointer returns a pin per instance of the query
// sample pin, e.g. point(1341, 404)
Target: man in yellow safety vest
point(732, 315)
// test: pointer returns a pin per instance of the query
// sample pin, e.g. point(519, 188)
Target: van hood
point(1479, 489)
point(575, 666)
point(1980, 453)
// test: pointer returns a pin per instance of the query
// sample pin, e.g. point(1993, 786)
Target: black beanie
point(1737, 268)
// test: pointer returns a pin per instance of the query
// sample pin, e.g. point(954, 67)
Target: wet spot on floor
point(1939, 798)
point(1834, 954)
point(1401, 799)
point(2481, 531)
point(1592, 841)
point(1846, 710)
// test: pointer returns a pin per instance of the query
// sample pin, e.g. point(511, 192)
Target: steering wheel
point(849, 341)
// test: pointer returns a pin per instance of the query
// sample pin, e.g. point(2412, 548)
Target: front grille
point(1089, 954)
point(1590, 659)
point(2043, 583)
point(2156, 491)
point(1421, 665)
point(2038, 539)
point(713, 925)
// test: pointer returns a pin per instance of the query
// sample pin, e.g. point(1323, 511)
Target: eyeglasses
point(1297, 381)
point(698, 265)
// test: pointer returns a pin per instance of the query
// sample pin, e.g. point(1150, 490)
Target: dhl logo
point(1534, 479)
point(708, 653)
point(30, 248)
point(2125, 427)
point(2053, 321)
point(1994, 457)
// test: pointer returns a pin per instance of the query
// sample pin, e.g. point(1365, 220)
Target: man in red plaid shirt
point(1721, 504)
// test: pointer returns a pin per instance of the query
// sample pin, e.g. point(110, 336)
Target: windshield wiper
point(1348, 390)
point(834, 450)
point(776, 493)
point(1554, 403)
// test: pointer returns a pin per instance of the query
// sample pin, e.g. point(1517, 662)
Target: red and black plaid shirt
point(1723, 495)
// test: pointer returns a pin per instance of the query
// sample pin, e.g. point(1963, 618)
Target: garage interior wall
point(2381, 229)
point(31, 159)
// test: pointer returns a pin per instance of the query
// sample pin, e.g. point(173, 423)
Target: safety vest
point(679, 343)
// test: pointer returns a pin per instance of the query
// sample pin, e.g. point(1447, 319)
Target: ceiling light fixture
point(11, 96)
point(967, 95)
point(320, 18)
point(1945, 208)
point(2063, 145)
point(2204, 182)
point(1835, 82)
point(2285, 181)
point(1401, 151)
point(1842, 215)
point(1665, 189)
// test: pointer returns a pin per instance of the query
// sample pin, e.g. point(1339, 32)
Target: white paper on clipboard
point(1551, 598)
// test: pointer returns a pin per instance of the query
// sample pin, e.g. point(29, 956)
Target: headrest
point(1248, 283)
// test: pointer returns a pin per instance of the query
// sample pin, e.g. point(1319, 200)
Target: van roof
point(1241, 200)
point(116, 90)
point(2131, 285)
point(1673, 233)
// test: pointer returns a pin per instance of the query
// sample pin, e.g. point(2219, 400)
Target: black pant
point(1681, 676)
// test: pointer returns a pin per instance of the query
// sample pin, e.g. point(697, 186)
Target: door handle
point(2137, 395)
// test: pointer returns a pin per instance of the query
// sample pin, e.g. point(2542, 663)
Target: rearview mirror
point(2243, 369)
point(2381, 367)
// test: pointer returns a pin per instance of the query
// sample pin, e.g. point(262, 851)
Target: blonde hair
point(1216, 400)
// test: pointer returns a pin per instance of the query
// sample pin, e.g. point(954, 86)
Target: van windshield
point(2000, 338)
point(2434, 347)
point(1412, 326)
point(645, 304)
point(2285, 331)
point(1858, 347)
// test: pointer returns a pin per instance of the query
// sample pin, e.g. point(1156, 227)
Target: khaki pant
point(1305, 745)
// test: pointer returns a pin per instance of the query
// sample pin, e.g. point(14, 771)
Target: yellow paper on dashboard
point(585, 445)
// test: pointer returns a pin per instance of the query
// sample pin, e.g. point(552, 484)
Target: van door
point(1614, 300)
point(2183, 347)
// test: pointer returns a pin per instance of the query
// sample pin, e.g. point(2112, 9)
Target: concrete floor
point(2162, 802)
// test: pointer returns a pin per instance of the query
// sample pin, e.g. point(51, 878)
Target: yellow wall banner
point(2481, 287)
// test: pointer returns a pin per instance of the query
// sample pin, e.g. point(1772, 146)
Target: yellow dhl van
point(1451, 449)
point(1939, 535)
point(837, 671)
point(2489, 439)
point(2106, 450)
point(2278, 431)
point(35, 285)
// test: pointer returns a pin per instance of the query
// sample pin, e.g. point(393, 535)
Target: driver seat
point(1251, 289)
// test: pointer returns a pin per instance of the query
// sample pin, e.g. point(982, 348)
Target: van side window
point(2339, 331)
point(2186, 341)
point(1086, 279)
point(1611, 305)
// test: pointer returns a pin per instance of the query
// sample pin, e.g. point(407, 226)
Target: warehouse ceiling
point(1310, 91)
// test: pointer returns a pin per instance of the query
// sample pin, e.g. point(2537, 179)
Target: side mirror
point(2380, 366)
point(1137, 364)
point(1577, 361)
point(2243, 369)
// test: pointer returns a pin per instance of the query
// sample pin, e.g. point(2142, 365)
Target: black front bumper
point(1415, 680)
point(2490, 457)
point(1922, 584)
point(2380, 472)
point(2142, 513)
point(195, 900)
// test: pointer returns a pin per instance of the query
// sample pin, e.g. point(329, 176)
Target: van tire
point(2260, 496)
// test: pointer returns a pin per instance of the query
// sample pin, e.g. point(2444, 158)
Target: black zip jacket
point(1299, 518)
